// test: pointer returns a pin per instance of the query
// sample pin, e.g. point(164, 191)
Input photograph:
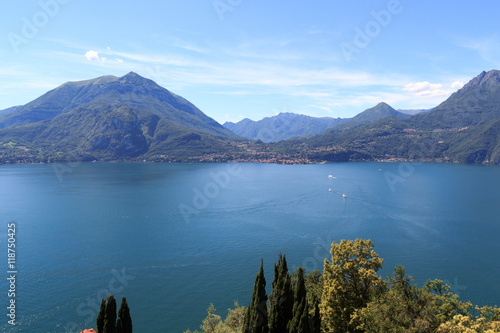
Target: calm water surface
point(173, 238)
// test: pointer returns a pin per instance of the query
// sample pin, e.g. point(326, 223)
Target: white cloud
point(457, 85)
point(422, 86)
point(432, 89)
point(92, 56)
point(427, 89)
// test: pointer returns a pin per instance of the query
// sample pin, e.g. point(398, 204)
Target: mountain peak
point(383, 105)
point(134, 78)
point(485, 79)
point(132, 74)
point(379, 111)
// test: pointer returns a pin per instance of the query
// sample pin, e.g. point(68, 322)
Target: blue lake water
point(174, 238)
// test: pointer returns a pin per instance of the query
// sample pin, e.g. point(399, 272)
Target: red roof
point(90, 330)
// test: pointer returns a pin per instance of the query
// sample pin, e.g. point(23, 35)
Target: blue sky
point(254, 58)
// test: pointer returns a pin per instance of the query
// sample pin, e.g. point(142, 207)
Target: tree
point(316, 320)
point(403, 308)
point(349, 282)
point(234, 319)
point(110, 315)
point(407, 308)
point(100, 317)
point(211, 321)
point(314, 287)
point(256, 320)
point(124, 322)
point(281, 298)
point(300, 322)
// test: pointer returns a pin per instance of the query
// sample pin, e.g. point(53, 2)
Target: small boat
point(344, 195)
point(329, 190)
point(330, 176)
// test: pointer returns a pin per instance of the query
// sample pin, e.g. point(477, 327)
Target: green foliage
point(316, 320)
point(300, 322)
point(350, 281)
point(235, 317)
point(232, 324)
point(211, 321)
point(124, 322)
point(403, 308)
point(281, 298)
point(256, 317)
point(110, 315)
point(100, 317)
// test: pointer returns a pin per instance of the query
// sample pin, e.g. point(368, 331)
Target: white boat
point(344, 195)
point(329, 190)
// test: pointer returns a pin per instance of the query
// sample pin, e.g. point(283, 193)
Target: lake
point(174, 238)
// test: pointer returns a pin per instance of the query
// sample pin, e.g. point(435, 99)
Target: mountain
point(11, 109)
point(112, 117)
point(131, 89)
point(465, 128)
point(132, 118)
point(286, 126)
point(283, 126)
point(379, 111)
point(478, 102)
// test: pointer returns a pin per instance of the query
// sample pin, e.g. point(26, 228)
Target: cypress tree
point(110, 315)
point(316, 321)
point(246, 320)
point(100, 317)
point(281, 298)
point(124, 322)
point(300, 322)
point(256, 320)
point(119, 326)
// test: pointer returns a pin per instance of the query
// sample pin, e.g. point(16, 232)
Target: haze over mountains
point(283, 126)
point(286, 126)
point(130, 117)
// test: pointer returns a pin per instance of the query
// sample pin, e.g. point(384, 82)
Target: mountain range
point(286, 126)
point(464, 128)
point(132, 118)
point(283, 126)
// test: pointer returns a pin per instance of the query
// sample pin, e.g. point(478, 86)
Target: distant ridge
point(379, 111)
point(465, 128)
point(283, 126)
point(131, 118)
